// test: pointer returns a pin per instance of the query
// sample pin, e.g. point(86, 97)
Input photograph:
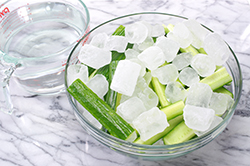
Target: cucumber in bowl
point(158, 76)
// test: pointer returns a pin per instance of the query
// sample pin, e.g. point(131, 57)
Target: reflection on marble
point(44, 131)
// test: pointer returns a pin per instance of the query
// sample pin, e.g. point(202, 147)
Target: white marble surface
point(44, 131)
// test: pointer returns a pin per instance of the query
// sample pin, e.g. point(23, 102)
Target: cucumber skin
point(218, 79)
point(100, 110)
point(111, 96)
point(174, 109)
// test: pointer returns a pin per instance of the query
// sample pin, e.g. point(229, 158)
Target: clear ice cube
point(157, 30)
point(143, 67)
point(150, 123)
point(99, 40)
point(136, 32)
point(203, 65)
point(145, 93)
point(216, 48)
point(175, 92)
point(116, 43)
point(99, 85)
point(77, 71)
point(131, 109)
point(181, 34)
point(169, 47)
point(94, 57)
point(131, 53)
point(199, 94)
point(217, 120)
point(152, 57)
point(166, 73)
point(189, 76)
point(125, 77)
point(198, 31)
point(220, 102)
point(146, 43)
point(198, 118)
point(182, 60)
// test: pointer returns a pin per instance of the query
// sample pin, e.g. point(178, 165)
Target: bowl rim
point(153, 147)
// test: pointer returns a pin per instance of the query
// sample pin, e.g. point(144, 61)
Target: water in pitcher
point(43, 35)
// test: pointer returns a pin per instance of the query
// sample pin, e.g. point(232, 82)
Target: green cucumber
point(218, 79)
point(174, 109)
point(190, 49)
point(179, 134)
point(160, 91)
point(172, 123)
point(224, 91)
point(110, 120)
point(111, 96)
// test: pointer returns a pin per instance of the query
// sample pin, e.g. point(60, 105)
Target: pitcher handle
point(7, 66)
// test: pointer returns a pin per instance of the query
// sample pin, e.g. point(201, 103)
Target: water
point(42, 35)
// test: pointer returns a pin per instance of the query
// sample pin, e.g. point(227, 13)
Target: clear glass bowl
point(151, 152)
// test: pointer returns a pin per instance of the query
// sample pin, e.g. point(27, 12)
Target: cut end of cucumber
point(132, 137)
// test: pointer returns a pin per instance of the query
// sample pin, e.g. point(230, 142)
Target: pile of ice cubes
point(160, 59)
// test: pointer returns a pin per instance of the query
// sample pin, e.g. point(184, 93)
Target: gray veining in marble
point(44, 131)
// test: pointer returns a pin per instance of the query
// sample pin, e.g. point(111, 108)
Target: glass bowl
point(151, 152)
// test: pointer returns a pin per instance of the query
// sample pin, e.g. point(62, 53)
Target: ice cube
point(189, 76)
point(199, 94)
point(136, 32)
point(198, 31)
point(157, 30)
point(116, 43)
point(131, 109)
point(175, 92)
point(217, 120)
point(198, 118)
point(125, 77)
point(220, 102)
point(166, 73)
point(94, 57)
point(216, 48)
point(203, 65)
point(149, 27)
point(181, 34)
point(152, 57)
point(77, 71)
point(169, 47)
point(150, 123)
point(131, 53)
point(99, 85)
point(99, 40)
point(182, 60)
point(145, 93)
point(146, 43)
point(143, 67)
point(149, 98)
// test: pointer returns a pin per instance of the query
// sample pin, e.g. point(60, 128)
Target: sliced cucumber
point(115, 125)
point(174, 109)
point(218, 79)
point(179, 134)
point(160, 91)
point(224, 91)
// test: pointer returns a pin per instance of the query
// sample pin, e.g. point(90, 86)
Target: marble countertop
point(44, 131)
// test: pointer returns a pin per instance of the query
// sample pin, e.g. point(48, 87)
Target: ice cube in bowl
point(152, 152)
